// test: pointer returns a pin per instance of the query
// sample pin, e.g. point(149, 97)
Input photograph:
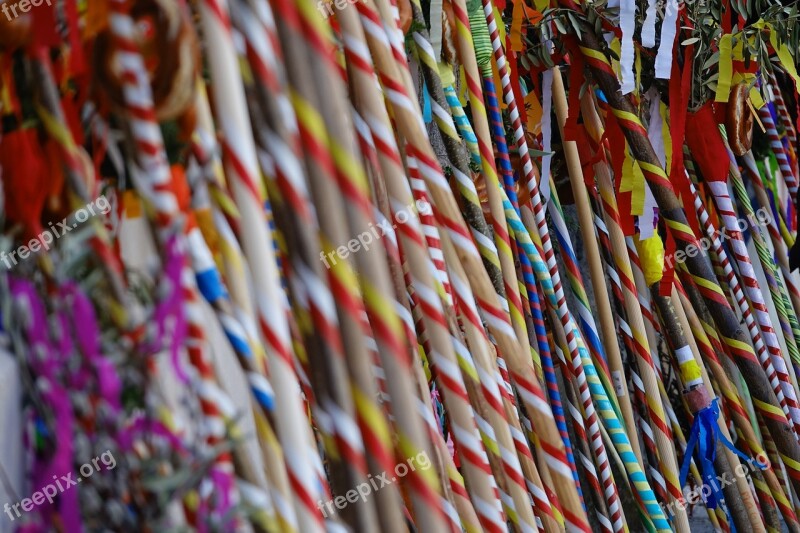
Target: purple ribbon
point(44, 361)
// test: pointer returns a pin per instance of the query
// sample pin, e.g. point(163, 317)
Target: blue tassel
point(704, 434)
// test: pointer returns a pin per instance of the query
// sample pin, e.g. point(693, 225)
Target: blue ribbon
point(704, 434)
point(427, 114)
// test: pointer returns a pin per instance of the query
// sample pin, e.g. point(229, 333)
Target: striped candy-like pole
point(479, 341)
point(591, 388)
point(697, 395)
point(239, 326)
point(644, 423)
point(738, 294)
point(466, 52)
point(786, 119)
point(595, 128)
point(503, 275)
point(376, 116)
point(753, 292)
point(783, 112)
point(666, 452)
point(446, 362)
point(610, 491)
point(340, 181)
point(698, 265)
point(740, 498)
point(778, 149)
point(773, 227)
point(459, 159)
point(125, 311)
point(663, 437)
point(513, 111)
point(455, 500)
point(522, 371)
point(242, 171)
point(542, 505)
point(785, 310)
point(505, 420)
point(433, 237)
point(155, 185)
point(709, 345)
point(301, 227)
point(528, 289)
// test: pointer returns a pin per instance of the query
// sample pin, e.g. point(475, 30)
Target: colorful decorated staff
point(696, 391)
point(733, 282)
point(469, 23)
point(594, 128)
point(155, 185)
point(446, 362)
point(663, 436)
point(783, 112)
point(583, 369)
point(719, 189)
point(242, 171)
point(765, 217)
point(532, 305)
point(698, 264)
point(478, 342)
point(740, 508)
point(784, 308)
point(610, 491)
point(589, 382)
point(531, 294)
point(522, 371)
point(781, 156)
point(537, 491)
point(411, 237)
point(300, 225)
point(237, 326)
point(80, 178)
point(709, 346)
point(474, 214)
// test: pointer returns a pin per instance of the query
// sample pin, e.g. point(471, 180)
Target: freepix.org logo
point(59, 485)
point(10, 8)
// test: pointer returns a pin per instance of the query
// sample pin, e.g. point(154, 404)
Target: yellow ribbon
point(651, 255)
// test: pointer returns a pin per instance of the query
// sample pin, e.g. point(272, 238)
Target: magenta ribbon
point(171, 307)
point(44, 361)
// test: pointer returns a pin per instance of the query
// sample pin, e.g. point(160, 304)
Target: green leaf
point(560, 25)
point(711, 61)
point(689, 41)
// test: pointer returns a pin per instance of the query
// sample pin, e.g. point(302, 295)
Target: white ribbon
point(547, 107)
point(627, 17)
point(649, 26)
point(668, 29)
